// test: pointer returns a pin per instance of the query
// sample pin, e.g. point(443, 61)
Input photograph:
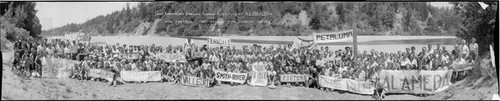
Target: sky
point(57, 14)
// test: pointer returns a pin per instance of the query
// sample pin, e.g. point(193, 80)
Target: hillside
point(272, 18)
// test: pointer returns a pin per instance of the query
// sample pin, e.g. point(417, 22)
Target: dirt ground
point(15, 88)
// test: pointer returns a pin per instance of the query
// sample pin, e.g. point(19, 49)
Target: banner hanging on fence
point(293, 78)
point(171, 57)
point(219, 41)
point(230, 77)
point(413, 81)
point(195, 81)
point(57, 68)
point(360, 87)
point(141, 75)
point(100, 73)
point(333, 36)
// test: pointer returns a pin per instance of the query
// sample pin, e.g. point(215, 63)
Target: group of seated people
point(283, 59)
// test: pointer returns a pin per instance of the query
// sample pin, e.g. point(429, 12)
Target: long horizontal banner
point(414, 81)
point(100, 73)
point(360, 87)
point(57, 68)
point(171, 57)
point(230, 77)
point(293, 78)
point(219, 41)
point(333, 36)
point(141, 75)
point(196, 81)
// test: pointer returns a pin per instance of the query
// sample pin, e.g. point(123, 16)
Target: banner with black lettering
point(218, 41)
point(355, 86)
point(196, 81)
point(293, 78)
point(414, 81)
point(327, 37)
point(230, 77)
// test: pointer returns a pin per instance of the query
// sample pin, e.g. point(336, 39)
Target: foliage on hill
point(288, 18)
point(478, 23)
point(18, 20)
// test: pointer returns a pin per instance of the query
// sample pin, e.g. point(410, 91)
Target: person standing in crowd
point(474, 49)
point(464, 49)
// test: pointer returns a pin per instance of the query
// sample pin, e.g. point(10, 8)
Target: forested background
point(287, 19)
point(18, 20)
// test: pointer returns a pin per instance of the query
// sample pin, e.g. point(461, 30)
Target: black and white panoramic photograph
point(249, 50)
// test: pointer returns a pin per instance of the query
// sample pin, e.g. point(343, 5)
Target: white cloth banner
point(259, 78)
point(360, 87)
point(141, 75)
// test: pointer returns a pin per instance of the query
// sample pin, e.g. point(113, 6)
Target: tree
point(479, 23)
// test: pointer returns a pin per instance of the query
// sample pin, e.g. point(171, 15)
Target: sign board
point(333, 36)
point(195, 81)
point(293, 78)
point(230, 77)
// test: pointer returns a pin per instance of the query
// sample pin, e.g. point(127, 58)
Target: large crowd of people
point(202, 61)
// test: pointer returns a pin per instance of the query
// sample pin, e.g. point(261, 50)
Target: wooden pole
point(355, 43)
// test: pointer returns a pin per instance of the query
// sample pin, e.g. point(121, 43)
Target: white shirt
point(465, 50)
point(473, 46)
point(405, 62)
point(413, 62)
point(66, 50)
